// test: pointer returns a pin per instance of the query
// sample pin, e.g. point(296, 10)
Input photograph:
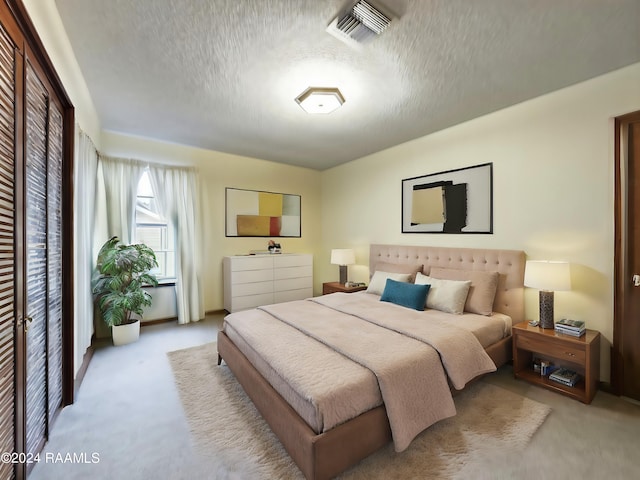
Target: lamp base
point(343, 274)
point(546, 309)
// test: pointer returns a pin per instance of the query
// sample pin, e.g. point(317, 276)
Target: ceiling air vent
point(359, 24)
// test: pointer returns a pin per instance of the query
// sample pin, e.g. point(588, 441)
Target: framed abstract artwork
point(252, 213)
point(455, 201)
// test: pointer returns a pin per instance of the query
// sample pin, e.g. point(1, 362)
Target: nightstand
point(333, 287)
point(580, 354)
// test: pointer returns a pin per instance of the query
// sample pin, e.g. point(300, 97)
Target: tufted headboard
point(508, 263)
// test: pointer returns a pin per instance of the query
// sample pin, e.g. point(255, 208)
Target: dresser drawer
point(255, 288)
point(291, 295)
point(251, 276)
point(293, 261)
point(251, 262)
point(292, 284)
point(251, 301)
point(546, 346)
point(294, 272)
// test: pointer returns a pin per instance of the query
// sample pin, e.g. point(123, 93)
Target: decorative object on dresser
point(455, 201)
point(343, 257)
point(547, 277)
point(251, 213)
point(254, 280)
point(581, 355)
point(333, 287)
point(274, 247)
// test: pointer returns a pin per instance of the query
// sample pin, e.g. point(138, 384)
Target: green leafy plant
point(121, 272)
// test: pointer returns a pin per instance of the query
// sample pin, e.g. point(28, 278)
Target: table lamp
point(343, 257)
point(548, 277)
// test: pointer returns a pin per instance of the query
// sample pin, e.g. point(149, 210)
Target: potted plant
point(121, 272)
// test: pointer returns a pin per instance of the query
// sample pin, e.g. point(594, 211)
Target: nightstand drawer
point(546, 346)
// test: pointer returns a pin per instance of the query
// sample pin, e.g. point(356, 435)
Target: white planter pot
point(123, 334)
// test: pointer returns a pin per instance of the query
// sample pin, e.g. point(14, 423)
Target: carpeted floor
point(129, 411)
point(490, 419)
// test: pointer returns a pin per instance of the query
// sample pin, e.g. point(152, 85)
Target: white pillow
point(379, 280)
point(445, 295)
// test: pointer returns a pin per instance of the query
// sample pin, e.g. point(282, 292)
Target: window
point(153, 230)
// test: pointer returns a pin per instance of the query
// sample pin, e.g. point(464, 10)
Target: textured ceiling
point(223, 74)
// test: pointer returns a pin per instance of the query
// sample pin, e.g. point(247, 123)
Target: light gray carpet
point(129, 411)
point(225, 424)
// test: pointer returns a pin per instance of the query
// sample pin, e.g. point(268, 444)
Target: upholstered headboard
point(509, 264)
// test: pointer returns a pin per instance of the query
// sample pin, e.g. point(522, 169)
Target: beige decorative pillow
point(445, 295)
point(399, 268)
point(483, 287)
point(379, 280)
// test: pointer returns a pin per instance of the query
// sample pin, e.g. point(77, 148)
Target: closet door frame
point(34, 51)
point(30, 48)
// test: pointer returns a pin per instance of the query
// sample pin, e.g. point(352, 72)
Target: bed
point(320, 439)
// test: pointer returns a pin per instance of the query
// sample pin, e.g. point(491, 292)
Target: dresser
point(254, 280)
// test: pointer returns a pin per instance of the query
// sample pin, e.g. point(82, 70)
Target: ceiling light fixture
point(320, 100)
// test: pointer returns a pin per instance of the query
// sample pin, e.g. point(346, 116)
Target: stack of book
point(571, 327)
point(565, 376)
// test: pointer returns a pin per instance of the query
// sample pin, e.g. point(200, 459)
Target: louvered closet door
point(36, 280)
point(44, 153)
point(36, 271)
point(7, 254)
point(54, 260)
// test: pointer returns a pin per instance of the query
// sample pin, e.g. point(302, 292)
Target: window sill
point(164, 282)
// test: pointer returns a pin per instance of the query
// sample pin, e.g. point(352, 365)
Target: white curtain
point(177, 193)
point(116, 205)
point(85, 167)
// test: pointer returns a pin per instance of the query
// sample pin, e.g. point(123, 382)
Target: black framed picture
point(454, 201)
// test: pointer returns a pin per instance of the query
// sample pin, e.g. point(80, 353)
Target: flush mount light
point(320, 100)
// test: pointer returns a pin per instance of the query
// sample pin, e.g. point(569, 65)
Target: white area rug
point(226, 427)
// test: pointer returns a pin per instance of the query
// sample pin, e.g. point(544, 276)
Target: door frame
point(28, 45)
point(33, 48)
point(621, 274)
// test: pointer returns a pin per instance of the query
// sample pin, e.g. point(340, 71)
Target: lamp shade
point(547, 275)
point(343, 256)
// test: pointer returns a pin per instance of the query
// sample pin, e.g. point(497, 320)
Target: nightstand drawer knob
point(570, 354)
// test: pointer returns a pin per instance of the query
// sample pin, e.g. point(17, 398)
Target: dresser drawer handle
point(570, 354)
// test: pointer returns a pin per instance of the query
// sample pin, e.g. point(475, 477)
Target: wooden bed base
point(325, 455)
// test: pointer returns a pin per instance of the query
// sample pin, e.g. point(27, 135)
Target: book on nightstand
point(565, 376)
point(571, 327)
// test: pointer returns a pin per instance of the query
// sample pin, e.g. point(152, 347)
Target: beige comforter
point(462, 354)
point(405, 353)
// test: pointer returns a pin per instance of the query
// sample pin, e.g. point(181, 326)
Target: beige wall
point(46, 19)
point(553, 190)
point(217, 171)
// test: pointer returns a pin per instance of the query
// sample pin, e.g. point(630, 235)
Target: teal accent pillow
point(405, 294)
